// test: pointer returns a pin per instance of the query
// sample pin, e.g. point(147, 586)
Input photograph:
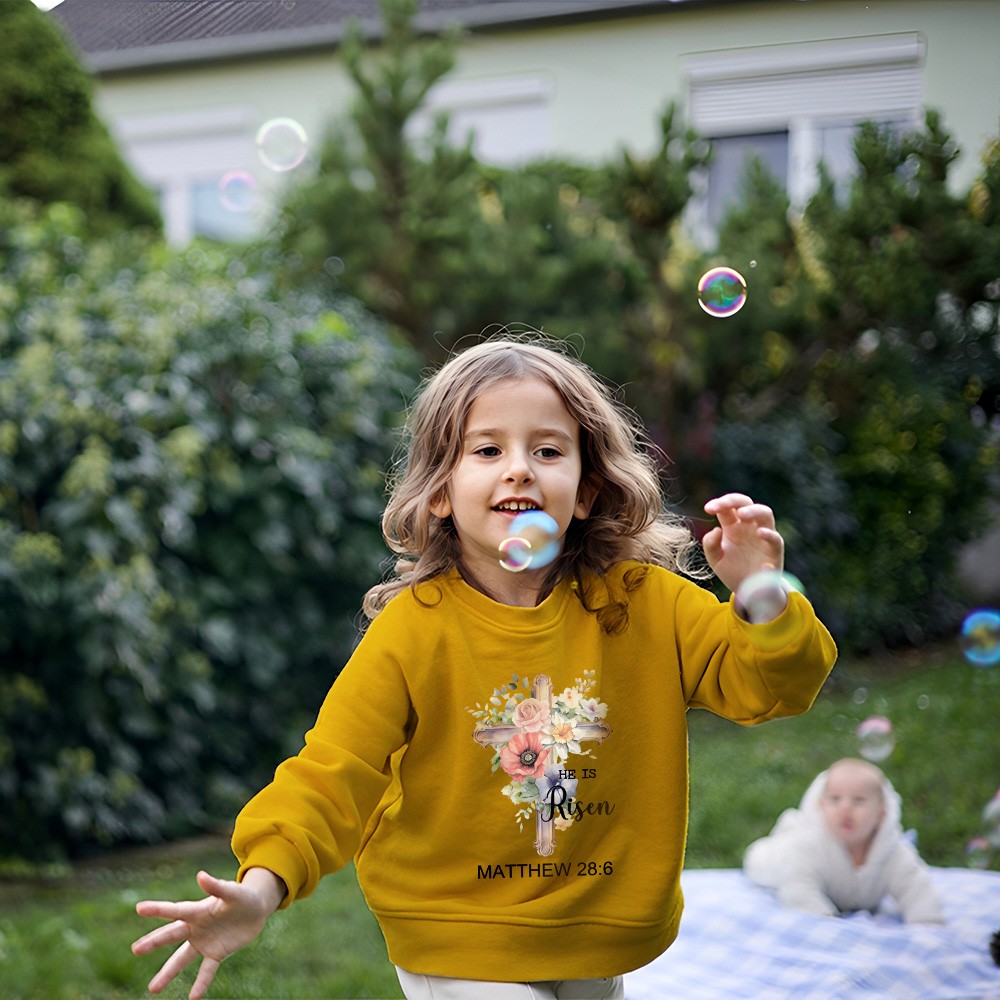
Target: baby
point(843, 849)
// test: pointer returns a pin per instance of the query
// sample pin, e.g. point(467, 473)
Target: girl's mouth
point(516, 506)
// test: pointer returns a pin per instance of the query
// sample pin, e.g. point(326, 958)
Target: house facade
point(195, 89)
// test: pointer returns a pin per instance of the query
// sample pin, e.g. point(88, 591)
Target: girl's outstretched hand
point(745, 541)
point(227, 919)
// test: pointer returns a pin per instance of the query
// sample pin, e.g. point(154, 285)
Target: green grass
point(945, 765)
point(68, 939)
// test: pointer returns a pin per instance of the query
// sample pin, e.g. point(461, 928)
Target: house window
point(731, 155)
point(186, 155)
point(794, 106)
point(508, 117)
point(226, 208)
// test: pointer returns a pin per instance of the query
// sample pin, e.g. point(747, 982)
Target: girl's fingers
point(737, 509)
point(177, 963)
point(770, 535)
point(204, 979)
point(728, 500)
point(173, 933)
point(179, 931)
point(167, 909)
point(726, 503)
point(223, 889)
point(712, 541)
point(756, 512)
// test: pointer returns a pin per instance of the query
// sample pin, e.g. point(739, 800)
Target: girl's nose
point(518, 469)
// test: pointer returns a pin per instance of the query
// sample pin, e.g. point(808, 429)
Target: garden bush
point(191, 477)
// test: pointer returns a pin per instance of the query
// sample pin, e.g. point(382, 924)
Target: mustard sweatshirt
point(512, 783)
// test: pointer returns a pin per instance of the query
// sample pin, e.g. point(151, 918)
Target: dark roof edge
point(314, 37)
point(198, 50)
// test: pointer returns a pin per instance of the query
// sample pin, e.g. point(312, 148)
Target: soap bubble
point(980, 638)
point(238, 191)
point(978, 853)
point(334, 266)
point(533, 542)
point(763, 596)
point(991, 820)
point(876, 740)
point(282, 144)
point(516, 553)
point(722, 292)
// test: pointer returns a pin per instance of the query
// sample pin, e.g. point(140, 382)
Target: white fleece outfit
point(812, 870)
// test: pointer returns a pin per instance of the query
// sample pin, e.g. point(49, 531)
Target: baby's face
point(852, 806)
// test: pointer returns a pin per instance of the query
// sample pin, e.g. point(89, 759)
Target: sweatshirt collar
point(548, 614)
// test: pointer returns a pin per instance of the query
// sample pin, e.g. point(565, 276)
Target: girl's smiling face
point(520, 451)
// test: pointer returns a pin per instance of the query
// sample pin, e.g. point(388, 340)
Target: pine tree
point(53, 146)
point(399, 217)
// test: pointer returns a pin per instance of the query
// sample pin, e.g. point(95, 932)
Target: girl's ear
point(440, 505)
point(585, 497)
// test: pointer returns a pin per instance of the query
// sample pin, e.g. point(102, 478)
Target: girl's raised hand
point(745, 541)
point(227, 919)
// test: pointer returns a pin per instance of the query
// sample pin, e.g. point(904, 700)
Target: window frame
point(804, 89)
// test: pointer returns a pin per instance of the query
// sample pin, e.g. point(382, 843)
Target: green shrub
point(190, 489)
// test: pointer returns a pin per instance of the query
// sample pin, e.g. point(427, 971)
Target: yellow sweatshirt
point(512, 783)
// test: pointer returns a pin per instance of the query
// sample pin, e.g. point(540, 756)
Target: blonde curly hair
point(628, 520)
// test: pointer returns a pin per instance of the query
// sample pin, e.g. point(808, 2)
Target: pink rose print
point(532, 715)
point(523, 756)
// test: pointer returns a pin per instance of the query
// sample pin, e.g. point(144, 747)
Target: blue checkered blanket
point(736, 940)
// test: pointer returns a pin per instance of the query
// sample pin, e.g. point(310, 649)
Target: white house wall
point(612, 79)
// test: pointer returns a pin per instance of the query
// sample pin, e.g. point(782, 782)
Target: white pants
point(417, 987)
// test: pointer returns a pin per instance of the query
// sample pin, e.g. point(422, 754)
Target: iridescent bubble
point(282, 144)
point(978, 853)
point(722, 291)
point(876, 740)
point(991, 820)
point(238, 191)
point(515, 553)
point(763, 596)
point(980, 638)
point(533, 542)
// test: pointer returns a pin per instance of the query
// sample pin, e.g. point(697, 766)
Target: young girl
point(505, 754)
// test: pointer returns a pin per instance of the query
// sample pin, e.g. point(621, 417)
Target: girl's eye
point(549, 452)
point(488, 451)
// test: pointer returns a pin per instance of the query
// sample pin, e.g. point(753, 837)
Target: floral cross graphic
point(533, 738)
